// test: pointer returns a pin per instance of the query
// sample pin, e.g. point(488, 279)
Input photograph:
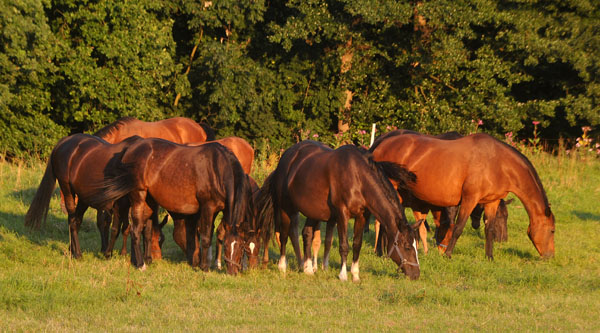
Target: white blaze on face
point(252, 247)
point(232, 246)
point(416, 253)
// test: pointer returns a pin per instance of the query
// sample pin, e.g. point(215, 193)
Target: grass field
point(42, 289)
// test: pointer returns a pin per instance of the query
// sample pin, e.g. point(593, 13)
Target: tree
point(27, 49)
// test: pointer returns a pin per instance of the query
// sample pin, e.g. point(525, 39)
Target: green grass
point(41, 288)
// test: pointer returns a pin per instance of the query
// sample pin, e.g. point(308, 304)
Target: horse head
point(541, 233)
point(234, 250)
point(403, 250)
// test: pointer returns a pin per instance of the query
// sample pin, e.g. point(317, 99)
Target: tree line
point(279, 70)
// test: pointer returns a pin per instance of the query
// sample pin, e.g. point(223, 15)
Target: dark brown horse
point(476, 169)
point(79, 162)
point(335, 185)
point(251, 247)
point(243, 151)
point(178, 130)
point(442, 216)
point(191, 183)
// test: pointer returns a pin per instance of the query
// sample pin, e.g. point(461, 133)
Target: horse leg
point(307, 239)
point(192, 245)
point(490, 227)
point(466, 207)
point(342, 224)
point(180, 233)
point(295, 238)
point(377, 227)
point(75, 220)
point(205, 229)
point(119, 216)
point(265, 241)
point(316, 244)
point(103, 219)
point(359, 226)
point(328, 242)
point(219, 245)
point(422, 228)
point(283, 236)
point(443, 230)
point(155, 232)
point(476, 216)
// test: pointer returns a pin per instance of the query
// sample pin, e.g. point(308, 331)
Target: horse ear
point(415, 226)
point(548, 211)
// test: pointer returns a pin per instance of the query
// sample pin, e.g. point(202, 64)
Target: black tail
point(38, 210)
point(265, 215)
point(111, 189)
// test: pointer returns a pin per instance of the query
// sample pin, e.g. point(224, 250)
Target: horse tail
point(265, 209)
point(112, 188)
point(209, 131)
point(38, 210)
point(239, 195)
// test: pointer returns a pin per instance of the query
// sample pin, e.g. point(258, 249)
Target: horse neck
point(382, 207)
point(531, 193)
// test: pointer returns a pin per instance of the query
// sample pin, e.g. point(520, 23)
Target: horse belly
point(309, 198)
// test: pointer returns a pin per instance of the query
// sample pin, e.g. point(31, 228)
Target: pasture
point(43, 289)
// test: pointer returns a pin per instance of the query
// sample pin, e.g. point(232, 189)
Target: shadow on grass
point(588, 217)
point(518, 253)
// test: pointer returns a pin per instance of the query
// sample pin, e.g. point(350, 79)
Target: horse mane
point(243, 209)
point(114, 126)
point(384, 171)
point(533, 172)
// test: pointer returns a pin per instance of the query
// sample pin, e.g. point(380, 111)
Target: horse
point(179, 130)
point(475, 169)
point(442, 216)
point(243, 151)
point(78, 162)
point(251, 247)
point(333, 186)
point(192, 184)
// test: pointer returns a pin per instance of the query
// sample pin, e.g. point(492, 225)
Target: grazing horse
point(475, 169)
point(191, 183)
point(244, 152)
point(335, 185)
point(442, 216)
point(79, 162)
point(179, 130)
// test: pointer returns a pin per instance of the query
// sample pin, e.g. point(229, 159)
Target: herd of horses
point(130, 168)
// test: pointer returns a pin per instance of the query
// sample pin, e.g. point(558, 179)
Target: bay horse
point(251, 247)
point(78, 162)
point(333, 186)
point(244, 152)
point(179, 130)
point(475, 169)
point(442, 216)
point(191, 183)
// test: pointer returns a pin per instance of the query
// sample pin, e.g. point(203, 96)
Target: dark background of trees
point(277, 69)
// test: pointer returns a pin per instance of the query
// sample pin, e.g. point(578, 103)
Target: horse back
point(179, 178)
point(443, 167)
point(81, 161)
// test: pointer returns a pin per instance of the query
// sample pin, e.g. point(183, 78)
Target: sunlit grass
point(42, 288)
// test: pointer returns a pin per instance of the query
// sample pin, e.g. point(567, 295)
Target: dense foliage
point(278, 69)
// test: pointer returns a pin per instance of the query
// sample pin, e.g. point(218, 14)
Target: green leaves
point(278, 69)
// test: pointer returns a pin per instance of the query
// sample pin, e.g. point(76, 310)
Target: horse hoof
point(343, 277)
point(143, 268)
point(355, 279)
